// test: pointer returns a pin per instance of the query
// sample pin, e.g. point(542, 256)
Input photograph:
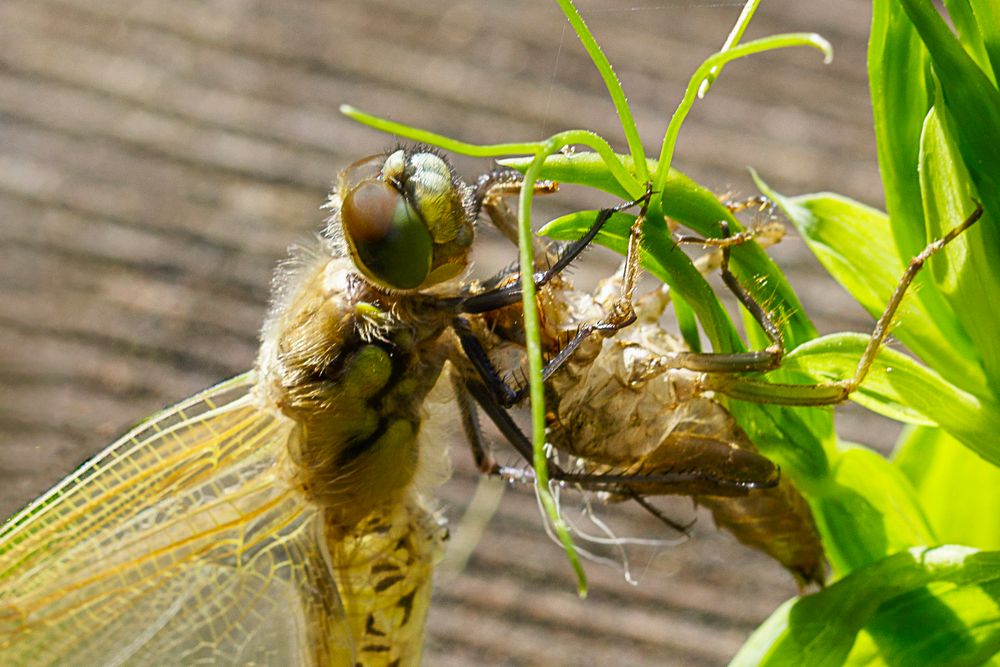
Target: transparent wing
point(181, 543)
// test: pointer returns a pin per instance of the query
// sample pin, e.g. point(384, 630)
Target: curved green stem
point(715, 61)
point(613, 85)
point(532, 328)
point(749, 9)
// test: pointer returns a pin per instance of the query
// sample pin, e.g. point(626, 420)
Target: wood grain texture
point(156, 159)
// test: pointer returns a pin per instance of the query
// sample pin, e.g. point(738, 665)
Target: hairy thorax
point(351, 365)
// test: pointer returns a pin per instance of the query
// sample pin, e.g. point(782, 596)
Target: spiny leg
point(519, 441)
point(510, 294)
point(478, 357)
point(622, 313)
point(493, 187)
point(828, 393)
point(481, 454)
point(767, 232)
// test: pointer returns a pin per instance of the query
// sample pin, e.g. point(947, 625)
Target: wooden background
point(156, 159)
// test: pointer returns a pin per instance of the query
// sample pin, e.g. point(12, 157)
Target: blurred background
point(156, 160)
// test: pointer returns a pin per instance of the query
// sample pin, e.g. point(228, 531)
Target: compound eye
point(388, 239)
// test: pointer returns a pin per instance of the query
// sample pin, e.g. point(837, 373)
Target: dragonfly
point(284, 516)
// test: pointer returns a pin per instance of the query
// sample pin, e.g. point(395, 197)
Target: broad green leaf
point(963, 17)
point(941, 624)
point(899, 593)
point(958, 490)
point(897, 62)
point(987, 13)
point(971, 98)
point(852, 243)
point(897, 378)
point(964, 269)
point(972, 103)
point(867, 511)
point(835, 357)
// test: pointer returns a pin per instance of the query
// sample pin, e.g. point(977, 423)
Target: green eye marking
point(387, 237)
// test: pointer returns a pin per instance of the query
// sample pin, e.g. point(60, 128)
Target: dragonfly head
point(405, 219)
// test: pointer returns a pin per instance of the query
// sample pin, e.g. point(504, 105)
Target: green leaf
point(867, 511)
point(987, 13)
point(797, 439)
point(942, 599)
point(964, 270)
point(959, 491)
point(941, 624)
point(687, 324)
point(972, 103)
point(897, 379)
point(897, 63)
point(852, 243)
point(970, 96)
point(963, 17)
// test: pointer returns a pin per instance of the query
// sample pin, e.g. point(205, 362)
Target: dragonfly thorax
point(351, 365)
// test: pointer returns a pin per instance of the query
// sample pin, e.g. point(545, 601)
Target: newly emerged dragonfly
point(282, 517)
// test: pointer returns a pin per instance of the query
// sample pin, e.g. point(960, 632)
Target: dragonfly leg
point(481, 454)
point(621, 313)
point(507, 295)
point(488, 197)
point(738, 362)
point(617, 484)
point(489, 376)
